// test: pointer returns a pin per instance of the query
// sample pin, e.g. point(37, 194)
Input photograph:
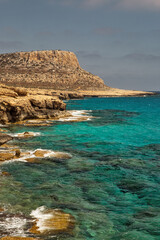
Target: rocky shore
point(49, 77)
point(17, 105)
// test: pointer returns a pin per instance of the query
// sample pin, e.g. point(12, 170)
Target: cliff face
point(47, 69)
point(16, 105)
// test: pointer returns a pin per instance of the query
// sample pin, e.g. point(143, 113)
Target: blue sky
point(118, 40)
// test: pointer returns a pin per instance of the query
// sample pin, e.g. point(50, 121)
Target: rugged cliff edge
point(58, 70)
point(16, 105)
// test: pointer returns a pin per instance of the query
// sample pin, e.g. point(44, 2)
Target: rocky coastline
point(50, 77)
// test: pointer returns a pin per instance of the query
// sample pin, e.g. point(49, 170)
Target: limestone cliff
point(16, 105)
point(58, 70)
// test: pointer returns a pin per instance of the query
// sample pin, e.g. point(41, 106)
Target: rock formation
point(52, 221)
point(58, 70)
point(4, 138)
point(14, 107)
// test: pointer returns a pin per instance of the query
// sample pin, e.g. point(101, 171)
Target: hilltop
point(59, 70)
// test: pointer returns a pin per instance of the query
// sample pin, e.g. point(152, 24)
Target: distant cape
point(59, 70)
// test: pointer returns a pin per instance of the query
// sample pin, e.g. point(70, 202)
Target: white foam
point(22, 135)
point(31, 154)
point(1, 125)
point(21, 159)
point(50, 153)
point(41, 215)
point(13, 225)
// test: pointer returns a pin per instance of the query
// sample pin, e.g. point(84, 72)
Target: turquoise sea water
point(111, 185)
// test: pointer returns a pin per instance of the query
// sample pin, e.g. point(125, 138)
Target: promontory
point(55, 70)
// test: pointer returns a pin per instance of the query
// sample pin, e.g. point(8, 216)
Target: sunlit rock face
point(47, 69)
point(14, 107)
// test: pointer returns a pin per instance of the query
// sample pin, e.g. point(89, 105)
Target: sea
point(111, 183)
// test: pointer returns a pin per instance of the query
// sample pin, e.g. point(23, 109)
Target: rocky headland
point(47, 69)
point(57, 71)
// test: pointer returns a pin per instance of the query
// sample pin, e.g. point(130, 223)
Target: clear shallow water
point(111, 185)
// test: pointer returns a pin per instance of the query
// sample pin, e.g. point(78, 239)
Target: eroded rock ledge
point(16, 105)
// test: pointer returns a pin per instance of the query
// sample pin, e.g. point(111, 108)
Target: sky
point(118, 40)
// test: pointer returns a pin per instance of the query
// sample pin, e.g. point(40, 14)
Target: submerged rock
point(79, 165)
point(49, 221)
point(3, 130)
point(5, 174)
point(134, 234)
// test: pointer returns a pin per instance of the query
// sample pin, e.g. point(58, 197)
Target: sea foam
point(13, 225)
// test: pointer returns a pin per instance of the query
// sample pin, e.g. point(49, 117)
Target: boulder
point(26, 135)
point(20, 91)
point(52, 221)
